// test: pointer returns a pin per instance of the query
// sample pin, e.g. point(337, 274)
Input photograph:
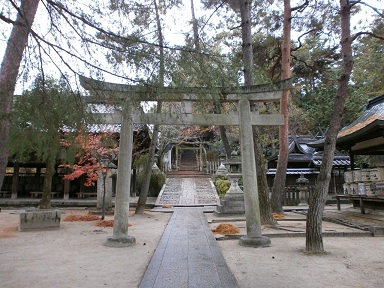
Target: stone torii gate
point(128, 96)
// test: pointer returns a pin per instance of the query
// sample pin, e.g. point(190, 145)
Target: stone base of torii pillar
point(125, 241)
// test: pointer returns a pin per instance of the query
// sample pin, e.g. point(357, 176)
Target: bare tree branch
point(354, 37)
point(302, 35)
point(7, 20)
point(301, 7)
point(353, 3)
point(60, 8)
point(378, 11)
point(57, 48)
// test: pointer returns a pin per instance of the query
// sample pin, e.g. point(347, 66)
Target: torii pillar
point(254, 237)
point(120, 237)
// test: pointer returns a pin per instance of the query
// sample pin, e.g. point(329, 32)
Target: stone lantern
point(155, 168)
point(233, 201)
point(108, 169)
point(234, 173)
point(302, 181)
point(222, 170)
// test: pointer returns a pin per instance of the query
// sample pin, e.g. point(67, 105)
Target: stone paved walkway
point(188, 192)
point(187, 255)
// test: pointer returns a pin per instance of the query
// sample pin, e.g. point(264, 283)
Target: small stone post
point(108, 192)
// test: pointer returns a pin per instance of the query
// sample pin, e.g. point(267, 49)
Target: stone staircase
point(187, 174)
point(188, 167)
point(188, 161)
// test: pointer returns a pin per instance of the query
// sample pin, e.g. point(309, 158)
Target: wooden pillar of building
point(67, 185)
point(15, 181)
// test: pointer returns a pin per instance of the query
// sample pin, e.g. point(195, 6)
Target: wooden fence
point(211, 167)
point(292, 195)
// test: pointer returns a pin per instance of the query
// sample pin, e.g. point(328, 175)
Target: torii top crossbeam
point(265, 92)
point(102, 92)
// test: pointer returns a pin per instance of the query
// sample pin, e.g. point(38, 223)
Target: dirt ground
point(73, 256)
point(350, 262)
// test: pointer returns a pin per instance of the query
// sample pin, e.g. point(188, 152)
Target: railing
point(165, 167)
point(211, 167)
point(292, 195)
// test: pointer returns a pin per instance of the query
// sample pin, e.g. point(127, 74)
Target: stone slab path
point(188, 192)
point(187, 255)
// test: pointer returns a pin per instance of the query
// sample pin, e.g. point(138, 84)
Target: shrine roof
point(299, 151)
point(365, 134)
point(372, 116)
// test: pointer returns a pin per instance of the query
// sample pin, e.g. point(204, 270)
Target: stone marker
point(32, 219)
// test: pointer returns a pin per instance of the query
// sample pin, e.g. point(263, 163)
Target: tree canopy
point(45, 121)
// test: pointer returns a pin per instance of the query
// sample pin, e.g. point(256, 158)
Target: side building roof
point(365, 134)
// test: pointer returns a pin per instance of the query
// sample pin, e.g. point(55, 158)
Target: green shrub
point(157, 179)
point(222, 186)
point(217, 177)
point(156, 183)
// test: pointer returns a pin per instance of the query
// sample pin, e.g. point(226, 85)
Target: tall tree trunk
point(224, 140)
point(152, 149)
point(195, 28)
point(8, 73)
point(278, 189)
point(148, 168)
point(266, 216)
point(45, 202)
point(223, 134)
point(314, 239)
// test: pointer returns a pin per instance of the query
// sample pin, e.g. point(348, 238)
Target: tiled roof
point(101, 128)
point(339, 159)
point(336, 162)
point(114, 128)
point(369, 125)
point(372, 113)
point(295, 171)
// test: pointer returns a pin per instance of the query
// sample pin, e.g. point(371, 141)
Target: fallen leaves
point(278, 216)
point(226, 229)
point(76, 218)
point(8, 232)
point(101, 223)
point(107, 223)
